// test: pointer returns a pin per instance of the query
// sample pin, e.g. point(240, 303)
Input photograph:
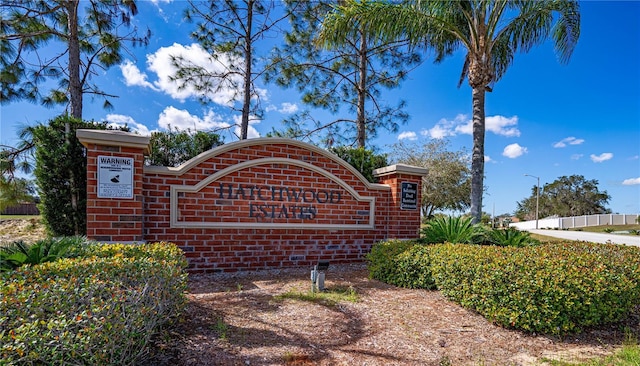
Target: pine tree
point(347, 81)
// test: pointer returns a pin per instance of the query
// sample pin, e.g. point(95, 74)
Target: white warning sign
point(115, 177)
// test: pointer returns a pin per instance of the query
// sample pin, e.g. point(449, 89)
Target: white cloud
point(487, 159)
point(569, 140)
point(631, 181)
point(409, 135)
point(503, 126)
point(635, 157)
point(513, 151)
point(133, 76)
point(285, 108)
point(600, 158)
point(161, 64)
point(438, 132)
point(181, 119)
point(445, 128)
point(576, 156)
point(289, 108)
point(119, 120)
point(222, 92)
point(461, 124)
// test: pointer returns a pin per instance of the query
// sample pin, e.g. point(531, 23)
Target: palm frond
point(535, 22)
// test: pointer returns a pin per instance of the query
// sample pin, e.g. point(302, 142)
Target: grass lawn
point(605, 228)
point(19, 217)
point(546, 239)
point(628, 355)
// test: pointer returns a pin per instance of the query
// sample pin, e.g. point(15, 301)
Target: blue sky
point(544, 118)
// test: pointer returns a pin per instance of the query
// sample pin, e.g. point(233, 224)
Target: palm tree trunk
point(477, 158)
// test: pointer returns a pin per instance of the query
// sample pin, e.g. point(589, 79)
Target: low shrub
point(382, 260)
point(401, 263)
point(557, 288)
point(607, 230)
point(100, 308)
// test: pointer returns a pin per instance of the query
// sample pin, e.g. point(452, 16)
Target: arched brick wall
point(251, 204)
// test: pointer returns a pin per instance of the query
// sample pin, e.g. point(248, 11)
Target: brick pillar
point(403, 220)
point(114, 184)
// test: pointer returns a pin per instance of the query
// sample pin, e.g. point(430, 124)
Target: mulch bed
point(238, 319)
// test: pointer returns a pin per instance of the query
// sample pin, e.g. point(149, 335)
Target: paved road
point(591, 237)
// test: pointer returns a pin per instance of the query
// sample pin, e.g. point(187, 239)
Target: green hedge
point(401, 263)
point(101, 308)
point(557, 288)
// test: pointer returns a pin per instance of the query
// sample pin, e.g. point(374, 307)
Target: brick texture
point(289, 204)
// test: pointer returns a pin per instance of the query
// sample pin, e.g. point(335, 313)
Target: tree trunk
point(75, 99)
point(246, 105)
point(362, 92)
point(75, 87)
point(477, 158)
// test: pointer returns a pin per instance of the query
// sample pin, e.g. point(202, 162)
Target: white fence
point(577, 221)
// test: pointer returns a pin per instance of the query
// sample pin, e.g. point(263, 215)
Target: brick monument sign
point(251, 204)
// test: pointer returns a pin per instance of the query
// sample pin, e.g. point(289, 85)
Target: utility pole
point(537, 196)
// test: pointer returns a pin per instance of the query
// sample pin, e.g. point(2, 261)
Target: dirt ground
point(28, 230)
point(239, 319)
point(243, 319)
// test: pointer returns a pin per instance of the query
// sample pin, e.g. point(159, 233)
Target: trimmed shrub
point(401, 263)
point(101, 308)
point(554, 289)
point(382, 260)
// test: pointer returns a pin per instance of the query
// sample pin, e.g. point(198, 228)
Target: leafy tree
point(175, 147)
point(352, 75)
point(15, 191)
point(61, 173)
point(91, 39)
point(230, 31)
point(491, 32)
point(365, 161)
point(91, 42)
point(564, 197)
point(447, 185)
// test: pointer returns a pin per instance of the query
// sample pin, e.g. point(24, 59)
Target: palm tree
point(491, 32)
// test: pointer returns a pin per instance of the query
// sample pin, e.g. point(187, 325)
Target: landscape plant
point(452, 229)
point(19, 253)
point(553, 289)
point(101, 308)
point(557, 288)
point(511, 237)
